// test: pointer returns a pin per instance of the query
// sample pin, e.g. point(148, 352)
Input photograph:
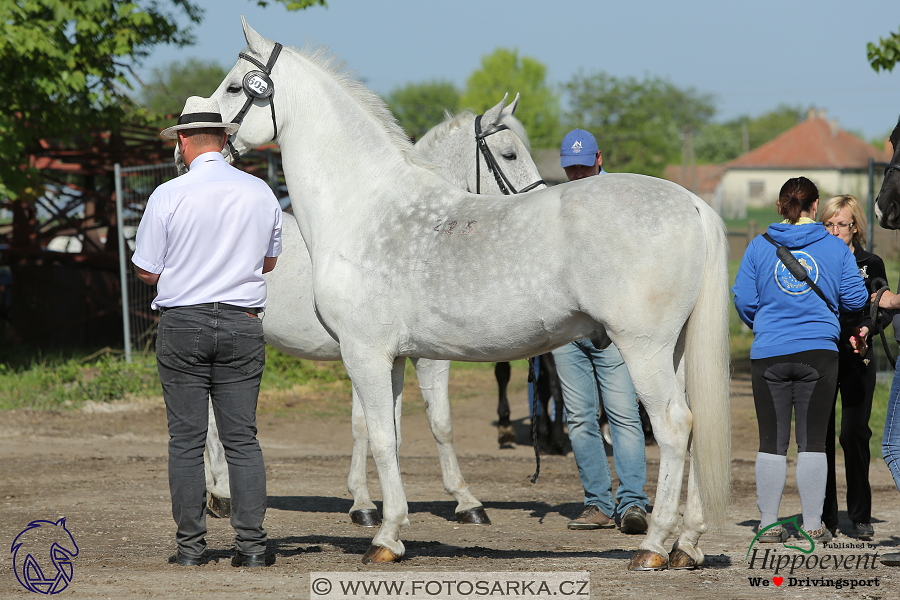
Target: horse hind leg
point(662, 393)
point(363, 512)
point(218, 487)
point(434, 381)
point(505, 433)
point(686, 553)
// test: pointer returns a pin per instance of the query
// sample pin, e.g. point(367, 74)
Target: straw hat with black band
point(199, 113)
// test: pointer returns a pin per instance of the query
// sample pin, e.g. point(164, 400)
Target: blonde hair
point(837, 204)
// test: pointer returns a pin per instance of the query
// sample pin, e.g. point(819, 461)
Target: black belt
point(216, 305)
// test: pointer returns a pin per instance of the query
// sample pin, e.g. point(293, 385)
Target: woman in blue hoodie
point(794, 356)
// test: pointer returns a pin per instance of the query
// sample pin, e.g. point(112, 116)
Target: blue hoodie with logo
point(786, 315)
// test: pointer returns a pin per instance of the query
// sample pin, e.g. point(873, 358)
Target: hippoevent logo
point(42, 556)
point(809, 564)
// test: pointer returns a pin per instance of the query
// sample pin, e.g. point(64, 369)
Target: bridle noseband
point(256, 84)
point(891, 167)
point(481, 149)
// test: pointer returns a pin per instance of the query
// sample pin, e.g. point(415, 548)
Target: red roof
point(813, 144)
point(706, 177)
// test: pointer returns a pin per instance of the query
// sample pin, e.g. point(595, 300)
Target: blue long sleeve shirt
point(786, 316)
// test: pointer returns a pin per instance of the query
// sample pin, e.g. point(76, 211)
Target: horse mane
point(371, 103)
point(437, 134)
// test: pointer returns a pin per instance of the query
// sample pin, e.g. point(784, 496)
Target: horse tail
point(707, 370)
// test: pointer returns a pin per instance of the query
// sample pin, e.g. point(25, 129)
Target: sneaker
point(634, 520)
point(864, 531)
point(820, 535)
point(775, 535)
point(592, 518)
point(890, 560)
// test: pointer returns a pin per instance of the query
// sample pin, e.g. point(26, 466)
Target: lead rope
point(532, 379)
point(873, 314)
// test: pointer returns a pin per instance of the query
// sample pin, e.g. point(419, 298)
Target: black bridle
point(256, 84)
point(481, 149)
point(891, 167)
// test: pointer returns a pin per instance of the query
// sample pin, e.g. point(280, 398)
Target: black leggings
point(803, 383)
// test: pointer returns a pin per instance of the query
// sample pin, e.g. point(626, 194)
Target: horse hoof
point(365, 517)
point(219, 507)
point(679, 559)
point(378, 554)
point(475, 516)
point(506, 435)
point(647, 560)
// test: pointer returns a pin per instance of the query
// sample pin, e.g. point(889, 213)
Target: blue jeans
point(205, 352)
point(582, 368)
point(890, 443)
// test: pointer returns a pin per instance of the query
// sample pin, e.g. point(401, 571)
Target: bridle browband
point(481, 149)
point(256, 84)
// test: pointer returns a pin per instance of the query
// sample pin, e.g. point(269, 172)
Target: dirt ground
point(105, 472)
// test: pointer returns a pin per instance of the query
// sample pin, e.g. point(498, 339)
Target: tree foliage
point(66, 63)
point(170, 87)
point(722, 142)
point(420, 106)
point(886, 54)
point(639, 123)
point(504, 71)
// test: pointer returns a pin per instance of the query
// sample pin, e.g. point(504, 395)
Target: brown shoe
point(592, 518)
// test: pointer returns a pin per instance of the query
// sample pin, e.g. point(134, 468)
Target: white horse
point(406, 264)
point(290, 323)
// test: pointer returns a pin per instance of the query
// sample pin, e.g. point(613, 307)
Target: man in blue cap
point(582, 369)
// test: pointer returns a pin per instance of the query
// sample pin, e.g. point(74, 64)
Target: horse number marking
point(451, 225)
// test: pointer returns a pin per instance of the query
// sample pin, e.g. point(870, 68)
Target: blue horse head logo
point(38, 546)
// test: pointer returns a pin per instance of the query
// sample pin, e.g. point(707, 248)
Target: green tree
point(420, 106)
point(504, 71)
point(171, 86)
point(722, 142)
point(639, 124)
point(886, 54)
point(66, 63)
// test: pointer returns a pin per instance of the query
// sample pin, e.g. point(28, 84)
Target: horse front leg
point(363, 511)
point(381, 397)
point(218, 486)
point(505, 432)
point(434, 381)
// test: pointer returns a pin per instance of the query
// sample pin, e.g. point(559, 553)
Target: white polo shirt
point(206, 233)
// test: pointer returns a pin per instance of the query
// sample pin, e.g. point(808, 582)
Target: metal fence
point(133, 188)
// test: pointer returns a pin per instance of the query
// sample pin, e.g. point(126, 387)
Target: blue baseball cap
point(578, 148)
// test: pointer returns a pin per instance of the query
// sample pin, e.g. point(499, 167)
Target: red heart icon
point(778, 580)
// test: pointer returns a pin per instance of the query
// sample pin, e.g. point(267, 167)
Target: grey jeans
point(202, 352)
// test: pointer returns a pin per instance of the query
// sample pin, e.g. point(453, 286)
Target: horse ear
point(511, 109)
point(256, 42)
point(492, 117)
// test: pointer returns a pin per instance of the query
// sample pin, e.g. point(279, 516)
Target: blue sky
point(752, 57)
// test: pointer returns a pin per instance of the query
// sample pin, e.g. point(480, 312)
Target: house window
point(757, 189)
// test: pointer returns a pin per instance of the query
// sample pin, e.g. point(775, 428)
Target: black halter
point(256, 84)
point(891, 167)
point(481, 149)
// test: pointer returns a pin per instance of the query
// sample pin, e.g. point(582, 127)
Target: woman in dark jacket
point(843, 217)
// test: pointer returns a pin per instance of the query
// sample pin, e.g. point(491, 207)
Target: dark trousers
point(856, 384)
point(205, 352)
point(801, 384)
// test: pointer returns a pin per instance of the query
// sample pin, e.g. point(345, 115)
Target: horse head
point(887, 205)
point(246, 86)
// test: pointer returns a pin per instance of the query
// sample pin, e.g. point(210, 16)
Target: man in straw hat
point(205, 240)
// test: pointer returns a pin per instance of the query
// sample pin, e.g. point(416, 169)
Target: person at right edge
point(844, 217)
point(794, 356)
